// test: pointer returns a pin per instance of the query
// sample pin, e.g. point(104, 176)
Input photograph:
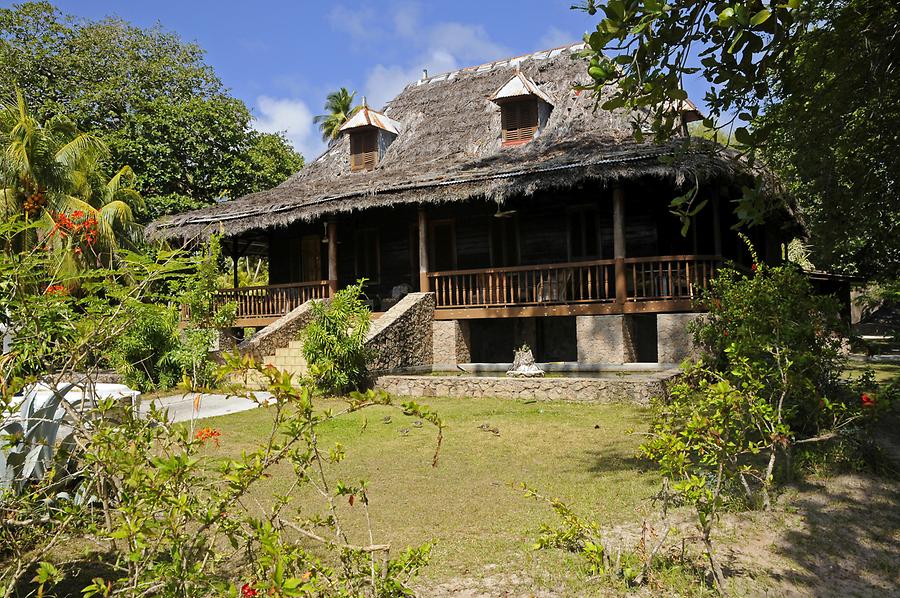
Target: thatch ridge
point(449, 149)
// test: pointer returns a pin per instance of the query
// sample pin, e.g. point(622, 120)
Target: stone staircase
point(277, 344)
point(289, 359)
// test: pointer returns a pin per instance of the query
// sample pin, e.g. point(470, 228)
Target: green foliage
point(832, 135)
point(809, 87)
point(769, 326)
point(151, 98)
point(166, 512)
point(206, 317)
point(334, 341)
point(339, 107)
point(51, 173)
point(145, 354)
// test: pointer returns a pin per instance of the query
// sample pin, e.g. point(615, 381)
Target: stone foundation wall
point(402, 337)
point(627, 388)
point(675, 343)
point(451, 343)
point(604, 339)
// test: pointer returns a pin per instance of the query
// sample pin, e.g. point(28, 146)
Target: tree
point(809, 86)
point(150, 97)
point(339, 107)
point(51, 174)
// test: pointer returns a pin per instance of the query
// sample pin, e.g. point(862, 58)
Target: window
point(504, 241)
point(368, 256)
point(443, 245)
point(519, 120)
point(583, 234)
point(363, 149)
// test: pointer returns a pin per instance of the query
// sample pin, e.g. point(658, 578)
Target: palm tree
point(50, 169)
point(339, 105)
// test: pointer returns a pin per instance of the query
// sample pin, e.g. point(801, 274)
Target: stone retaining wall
point(402, 336)
point(279, 333)
point(629, 388)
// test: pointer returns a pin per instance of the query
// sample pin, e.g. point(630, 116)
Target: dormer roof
point(517, 87)
point(366, 117)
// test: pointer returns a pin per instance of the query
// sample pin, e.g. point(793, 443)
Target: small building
point(532, 216)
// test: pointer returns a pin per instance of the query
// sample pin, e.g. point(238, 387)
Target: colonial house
point(529, 215)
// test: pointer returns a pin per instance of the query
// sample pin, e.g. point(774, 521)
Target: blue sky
point(282, 57)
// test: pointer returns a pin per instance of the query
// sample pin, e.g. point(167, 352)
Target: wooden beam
point(423, 252)
point(332, 258)
point(717, 223)
point(234, 264)
point(619, 243)
point(584, 309)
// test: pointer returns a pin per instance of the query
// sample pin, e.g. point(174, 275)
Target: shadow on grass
point(616, 460)
point(848, 543)
point(76, 575)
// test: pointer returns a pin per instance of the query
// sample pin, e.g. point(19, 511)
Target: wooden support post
point(717, 223)
point(234, 263)
point(423, 252)
point(619, 243)
point(332, 259)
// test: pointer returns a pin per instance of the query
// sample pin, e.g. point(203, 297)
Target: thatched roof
point(449, 149)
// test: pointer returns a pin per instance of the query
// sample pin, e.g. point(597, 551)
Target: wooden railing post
point(332, 259)
point(423, 252)
point(619, 243)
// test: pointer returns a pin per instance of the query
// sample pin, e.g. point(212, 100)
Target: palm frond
point(83, 147)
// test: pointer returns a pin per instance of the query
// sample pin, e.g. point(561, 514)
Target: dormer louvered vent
point(524, 109)
point(370, 133)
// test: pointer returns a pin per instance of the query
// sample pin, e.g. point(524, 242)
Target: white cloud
point(294, 119)
point(354, 21)
point(441, 47)
point(466, 42)
point(385, 82)
point(556, 37)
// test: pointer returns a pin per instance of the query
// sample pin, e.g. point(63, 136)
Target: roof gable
point(366, 117)
point(517, 87)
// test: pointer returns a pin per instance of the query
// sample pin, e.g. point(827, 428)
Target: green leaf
point(760, 17)
point(743, 136)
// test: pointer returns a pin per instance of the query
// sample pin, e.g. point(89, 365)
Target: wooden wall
point(543, 227)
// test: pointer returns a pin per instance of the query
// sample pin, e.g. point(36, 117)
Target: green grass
point(884, 372)
point(470, 506)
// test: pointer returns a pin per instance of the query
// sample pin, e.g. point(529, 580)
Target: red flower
point(754, 267)
point(247, 591)
point(867, 401)
point(204, 434)
point(55, 289)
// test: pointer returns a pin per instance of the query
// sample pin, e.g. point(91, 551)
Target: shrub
point(769, 325)
point(334, 341)
point(145, 354)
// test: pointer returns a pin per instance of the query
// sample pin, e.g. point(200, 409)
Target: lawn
point(884, 372)
point(470, 506)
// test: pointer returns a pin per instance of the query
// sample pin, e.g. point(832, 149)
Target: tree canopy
point(808, 86)
point(339, 107)
point(151, 98)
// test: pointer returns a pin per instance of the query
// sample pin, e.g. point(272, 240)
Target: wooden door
point(310, 258)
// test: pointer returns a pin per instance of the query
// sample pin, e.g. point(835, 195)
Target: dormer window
point(524, 109)
point(519, 120)
point(370, 135)
point(363, 149)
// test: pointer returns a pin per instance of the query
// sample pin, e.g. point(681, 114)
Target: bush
point(771, 326)
point(334, 341)
point(145, 354)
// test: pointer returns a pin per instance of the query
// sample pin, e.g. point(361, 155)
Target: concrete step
point(295, 345)
point(288, 351)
